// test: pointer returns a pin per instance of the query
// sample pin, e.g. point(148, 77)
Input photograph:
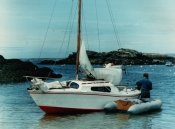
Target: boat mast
point(78, 38)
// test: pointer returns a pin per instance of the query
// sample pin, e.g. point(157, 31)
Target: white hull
point(57, 101)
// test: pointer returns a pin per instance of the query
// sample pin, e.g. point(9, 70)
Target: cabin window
point(101, 89)
point(74, 85)
point(67, 83)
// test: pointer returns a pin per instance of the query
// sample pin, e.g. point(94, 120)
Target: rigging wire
point(85, 25)
point(71, 27)
point(62, 40)
point(113, 23)
point(116, 32)
point(47, 29)
point(27, 99)
point(97, 25)
point(98, 30)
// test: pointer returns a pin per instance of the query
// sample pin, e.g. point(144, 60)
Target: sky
point(48, 28)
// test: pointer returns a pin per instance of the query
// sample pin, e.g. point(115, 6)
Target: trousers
point(145, 94)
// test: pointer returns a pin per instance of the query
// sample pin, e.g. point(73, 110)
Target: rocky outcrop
point(13, 70)
point(122, 56)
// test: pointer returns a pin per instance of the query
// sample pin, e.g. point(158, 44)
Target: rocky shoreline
point(14, 70)
point(122, 56)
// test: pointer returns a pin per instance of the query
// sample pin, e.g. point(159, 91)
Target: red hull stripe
point(64, 110)
point(89, 94)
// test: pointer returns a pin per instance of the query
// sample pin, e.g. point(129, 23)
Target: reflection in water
point(48, 117)
point(51, 121)
point(123, 116)
point(122, 120)
point(91, 120)
point(52, 117)
point(99, 119)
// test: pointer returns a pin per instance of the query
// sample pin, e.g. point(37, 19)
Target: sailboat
point(100, 86)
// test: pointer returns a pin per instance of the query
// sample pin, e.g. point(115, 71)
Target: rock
point(1, 57)
point(122, 56)
point(13, 70)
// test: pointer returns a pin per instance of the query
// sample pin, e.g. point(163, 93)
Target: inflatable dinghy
point(134, 106)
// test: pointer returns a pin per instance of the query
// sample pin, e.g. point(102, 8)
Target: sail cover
point(113, 75)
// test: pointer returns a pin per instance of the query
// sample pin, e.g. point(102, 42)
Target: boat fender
point(111, 106)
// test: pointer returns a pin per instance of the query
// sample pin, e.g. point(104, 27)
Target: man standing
point(145, 85)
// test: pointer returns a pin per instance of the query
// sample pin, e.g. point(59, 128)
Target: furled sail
point(86, 67)
point(113, 75)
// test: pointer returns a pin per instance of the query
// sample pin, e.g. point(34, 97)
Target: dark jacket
point(144, 84)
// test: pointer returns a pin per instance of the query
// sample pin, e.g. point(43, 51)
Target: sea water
point(18, 110)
